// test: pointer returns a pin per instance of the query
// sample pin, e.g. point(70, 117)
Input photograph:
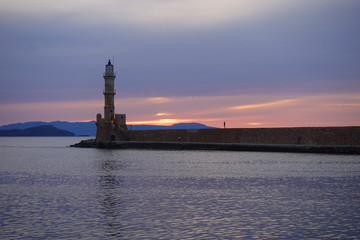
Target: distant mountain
point(89, 128)
point(44, 130)
point(78, 128)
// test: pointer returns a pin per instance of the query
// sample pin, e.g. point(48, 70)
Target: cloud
point(148, 14)
point(255, 124)
point(258, 110)
point(234, 60)
point(163, 121)
point(285, 102)
point(159, 99)
point(207, 47)
point(195, 13)
point(271, 110)
point(163, 114)
point(44, 106)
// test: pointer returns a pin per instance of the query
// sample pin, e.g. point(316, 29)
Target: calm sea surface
point(51, 191)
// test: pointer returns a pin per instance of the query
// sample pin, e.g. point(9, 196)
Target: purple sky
point(233, 53)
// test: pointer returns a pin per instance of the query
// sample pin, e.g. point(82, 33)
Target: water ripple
point(97, 194)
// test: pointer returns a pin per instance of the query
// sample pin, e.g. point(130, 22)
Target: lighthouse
point(111, 127)
point(109, 92)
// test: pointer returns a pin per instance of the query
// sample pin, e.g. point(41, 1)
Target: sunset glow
point(273, 63)
point(315, 110)
point(163, 114)
point(264, 105)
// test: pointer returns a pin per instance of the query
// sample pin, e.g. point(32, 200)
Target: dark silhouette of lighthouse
point(111, 126)
point(109, 92)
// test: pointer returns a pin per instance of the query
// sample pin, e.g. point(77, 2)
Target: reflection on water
point(51, 191)
point(111, 192)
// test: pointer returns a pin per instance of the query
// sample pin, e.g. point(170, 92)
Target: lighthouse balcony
point(109, 74)
point(109, 93)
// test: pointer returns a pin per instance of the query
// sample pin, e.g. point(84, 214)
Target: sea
point(49, 190)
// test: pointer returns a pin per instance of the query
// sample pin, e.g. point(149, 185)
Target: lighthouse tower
point(109, 92)
point(112, 126)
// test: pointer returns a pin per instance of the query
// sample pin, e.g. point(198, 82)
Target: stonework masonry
point(301, 135)
point(112, 129)
point(111, 126)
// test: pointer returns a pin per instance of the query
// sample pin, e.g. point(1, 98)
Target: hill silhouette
point(89, 128)
point(44, 130)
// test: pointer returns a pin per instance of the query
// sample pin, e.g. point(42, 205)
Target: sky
point(250, 63)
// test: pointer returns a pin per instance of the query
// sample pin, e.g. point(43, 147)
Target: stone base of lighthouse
point(111, 130)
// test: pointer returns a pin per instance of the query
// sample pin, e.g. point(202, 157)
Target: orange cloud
point(163, 114)
point(272, 111)
point(159, 100)
point(255, 124)
point(256, 110)
point(157, 122)
point(171, 121)
point(264, 105)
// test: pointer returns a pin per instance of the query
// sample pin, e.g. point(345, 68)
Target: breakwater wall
point(328, 149)
point(349, 136)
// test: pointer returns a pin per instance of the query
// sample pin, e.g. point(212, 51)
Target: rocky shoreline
point(297, 148)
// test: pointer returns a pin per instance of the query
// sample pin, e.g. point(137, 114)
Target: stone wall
point(303, 135)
